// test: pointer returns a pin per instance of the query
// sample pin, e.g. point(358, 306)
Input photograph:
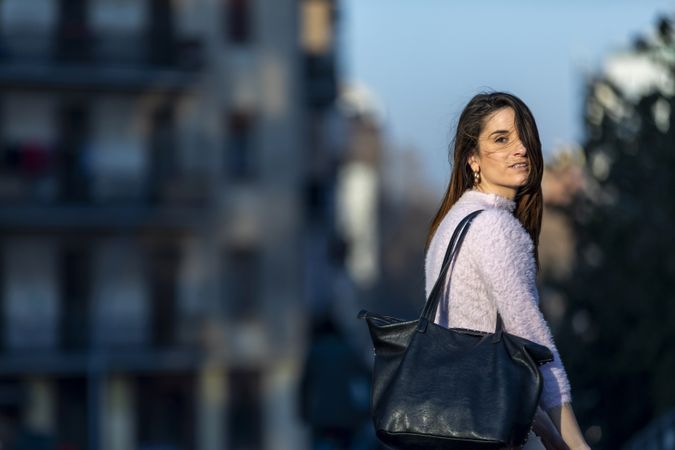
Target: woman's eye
point(501, 139)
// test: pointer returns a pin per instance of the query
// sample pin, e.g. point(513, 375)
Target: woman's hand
point(566, 423)
point(543, 426)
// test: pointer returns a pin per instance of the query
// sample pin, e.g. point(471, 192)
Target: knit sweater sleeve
point(502, 250)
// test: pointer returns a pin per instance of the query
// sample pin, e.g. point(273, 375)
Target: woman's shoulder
point(499, 228)
point(492, 228)
point(496, 218)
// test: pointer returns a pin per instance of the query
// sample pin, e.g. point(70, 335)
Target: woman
point(498, 167)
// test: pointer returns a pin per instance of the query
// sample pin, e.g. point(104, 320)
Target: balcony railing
point(102, 49)
point(38, 174)
point(101, 60)
point(41, 186)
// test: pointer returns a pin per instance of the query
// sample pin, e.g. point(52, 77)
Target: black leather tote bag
point(451, 388)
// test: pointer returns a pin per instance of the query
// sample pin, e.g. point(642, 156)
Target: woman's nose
point(521, 149)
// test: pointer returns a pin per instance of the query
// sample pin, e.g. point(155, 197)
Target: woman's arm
point(502, 251)
point(566, 422)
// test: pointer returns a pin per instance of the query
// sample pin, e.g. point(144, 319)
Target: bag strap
point(429, 311)
point(431, 305)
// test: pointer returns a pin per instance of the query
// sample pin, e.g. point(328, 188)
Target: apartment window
point(245, 410)
point(238, 20)
point(75, 288)
point(3, 320)
point(72, 412)
point(166, 412)
point(73, 33)
point(241, 158)
point(163, 275)
point(162, 149)
point(161, 34)
point(32, 309)
point(242, 282)
point(74, 169)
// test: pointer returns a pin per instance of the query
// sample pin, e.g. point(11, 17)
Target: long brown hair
point(529, 200)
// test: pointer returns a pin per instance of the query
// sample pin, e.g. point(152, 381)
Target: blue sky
point(425, 59)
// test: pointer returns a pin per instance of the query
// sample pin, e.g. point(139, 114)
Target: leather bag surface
point(451, 388)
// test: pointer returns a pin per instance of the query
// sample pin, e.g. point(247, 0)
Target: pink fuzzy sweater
point(495, 267)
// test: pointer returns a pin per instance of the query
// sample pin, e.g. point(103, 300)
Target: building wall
point(219, 215)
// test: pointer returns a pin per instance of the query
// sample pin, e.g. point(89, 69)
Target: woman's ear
point(473, 162)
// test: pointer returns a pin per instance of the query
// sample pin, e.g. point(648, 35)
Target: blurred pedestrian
point(334, 388)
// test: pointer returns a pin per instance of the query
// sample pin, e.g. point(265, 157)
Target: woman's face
point(499, 148)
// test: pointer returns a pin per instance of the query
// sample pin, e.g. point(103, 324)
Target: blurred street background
point(198, 196)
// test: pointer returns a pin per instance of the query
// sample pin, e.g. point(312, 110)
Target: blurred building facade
point(162, 163)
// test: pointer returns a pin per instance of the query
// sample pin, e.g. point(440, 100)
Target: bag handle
point(431, 305)
point(429, 311)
